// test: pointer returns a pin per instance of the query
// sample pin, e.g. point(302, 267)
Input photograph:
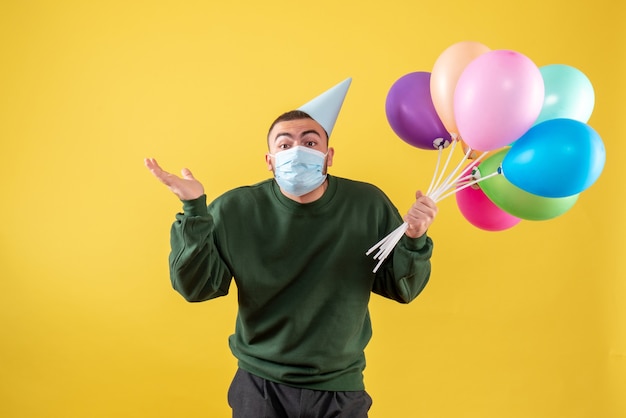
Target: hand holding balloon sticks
point(436, 191)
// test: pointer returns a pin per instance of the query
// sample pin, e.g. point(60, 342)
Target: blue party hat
point(325, 107)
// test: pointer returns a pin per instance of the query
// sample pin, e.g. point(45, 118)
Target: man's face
point(300, 132)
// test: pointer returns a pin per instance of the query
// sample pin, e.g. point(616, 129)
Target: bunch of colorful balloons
point(527, 123)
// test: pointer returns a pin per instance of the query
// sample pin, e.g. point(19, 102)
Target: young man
point(295, 246)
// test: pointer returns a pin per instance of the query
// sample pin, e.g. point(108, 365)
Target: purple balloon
point(411, 112)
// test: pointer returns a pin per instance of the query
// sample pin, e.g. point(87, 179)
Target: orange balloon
point(474, 153)
point(445, 74)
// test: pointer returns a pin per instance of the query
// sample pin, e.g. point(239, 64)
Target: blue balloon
point(556, 158)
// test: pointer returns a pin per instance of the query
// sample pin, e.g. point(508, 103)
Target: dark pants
point(253, 397)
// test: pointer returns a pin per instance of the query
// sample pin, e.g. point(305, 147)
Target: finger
point(149, 162)
point(162, 175)
point(186, 173)
point(152, 164)
point(426, 201)
point(422, 209)
point(422, 214)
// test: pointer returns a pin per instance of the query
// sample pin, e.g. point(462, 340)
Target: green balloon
point(516, 201)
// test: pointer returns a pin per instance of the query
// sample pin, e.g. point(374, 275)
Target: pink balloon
point(481, 212)
point(497, 99)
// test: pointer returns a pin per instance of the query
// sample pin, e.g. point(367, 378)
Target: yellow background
point(528, 322)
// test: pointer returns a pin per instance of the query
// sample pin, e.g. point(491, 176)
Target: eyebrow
point(287, 134)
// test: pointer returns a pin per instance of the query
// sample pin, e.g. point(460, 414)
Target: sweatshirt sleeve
point(405, 273)
point(197, 270)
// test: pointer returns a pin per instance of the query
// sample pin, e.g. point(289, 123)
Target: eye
point(284, 146)
point(310, 143)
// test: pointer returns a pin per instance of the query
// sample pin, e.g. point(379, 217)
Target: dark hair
point(291, 115)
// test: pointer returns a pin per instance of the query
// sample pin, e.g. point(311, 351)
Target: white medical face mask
point(299, 170)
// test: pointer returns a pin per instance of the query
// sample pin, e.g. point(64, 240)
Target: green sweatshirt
point(302, 275)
